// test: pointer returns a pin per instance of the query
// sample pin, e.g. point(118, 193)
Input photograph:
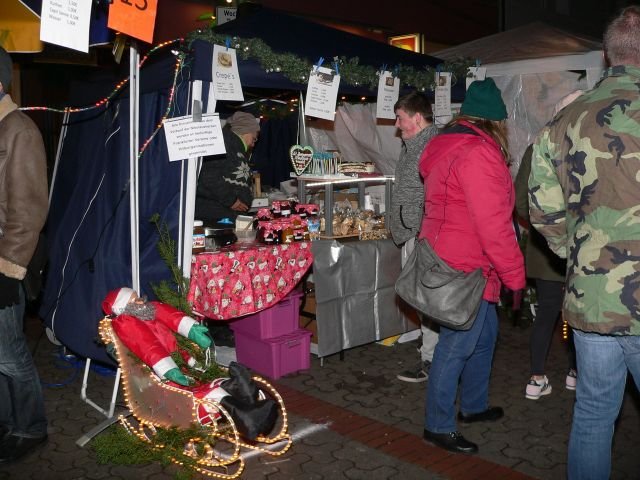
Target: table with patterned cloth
point(245, 278)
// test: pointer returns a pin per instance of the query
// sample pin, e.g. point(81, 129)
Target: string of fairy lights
point(180, 58)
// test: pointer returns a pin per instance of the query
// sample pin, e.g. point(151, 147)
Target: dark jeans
point(21, 403)
point(549, 295)
point(462, 361)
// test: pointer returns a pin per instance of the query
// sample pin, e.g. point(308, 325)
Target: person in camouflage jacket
point(584, 196)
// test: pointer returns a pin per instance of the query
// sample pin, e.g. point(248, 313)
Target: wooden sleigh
point(216, 452)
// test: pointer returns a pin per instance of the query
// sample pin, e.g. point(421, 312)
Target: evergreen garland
point(351, 71)
point(116, 446)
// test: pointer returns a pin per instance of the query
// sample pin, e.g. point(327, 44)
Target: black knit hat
point(6, 69)
point(484, 100)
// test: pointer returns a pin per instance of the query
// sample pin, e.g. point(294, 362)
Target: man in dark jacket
point(224, 185)
point(23, 210)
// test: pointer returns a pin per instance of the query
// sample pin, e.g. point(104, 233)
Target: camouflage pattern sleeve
point(547, 206)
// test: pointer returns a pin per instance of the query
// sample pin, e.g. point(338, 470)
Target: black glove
point(9, 291)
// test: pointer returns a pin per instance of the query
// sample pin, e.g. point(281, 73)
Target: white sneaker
point(571, 380)
point(536, 388)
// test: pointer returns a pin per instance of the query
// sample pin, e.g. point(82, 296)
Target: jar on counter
point(285, 208)
point(287, 232)
point(275, 209)
point(198, 242)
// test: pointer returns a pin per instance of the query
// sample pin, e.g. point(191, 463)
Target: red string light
point(113, 93)
point(121, 85)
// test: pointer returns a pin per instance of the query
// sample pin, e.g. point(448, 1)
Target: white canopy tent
point(535, 66)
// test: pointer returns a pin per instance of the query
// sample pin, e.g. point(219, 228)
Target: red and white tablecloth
point(245, 278)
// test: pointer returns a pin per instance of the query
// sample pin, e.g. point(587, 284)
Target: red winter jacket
point(469, 199)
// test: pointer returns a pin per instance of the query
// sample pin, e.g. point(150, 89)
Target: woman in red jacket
point(469, 200)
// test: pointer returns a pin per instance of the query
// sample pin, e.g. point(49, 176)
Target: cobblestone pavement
point(352, 419)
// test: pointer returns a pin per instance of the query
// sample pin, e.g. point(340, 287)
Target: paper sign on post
point(322, 93)
point(226, 79)
point(136, 18)
point(66, 23)
point(442, 105)
point(475, 73)
point(226, 14)
point(189, 139)
point(388, 92)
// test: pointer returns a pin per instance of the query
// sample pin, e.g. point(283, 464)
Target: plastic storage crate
point(274, 357)
point(280, 319)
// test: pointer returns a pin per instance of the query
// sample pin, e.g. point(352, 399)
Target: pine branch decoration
point(172, 293)
point(352, 72)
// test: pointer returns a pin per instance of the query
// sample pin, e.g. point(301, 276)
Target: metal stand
point(87, 437)
point(109, 413)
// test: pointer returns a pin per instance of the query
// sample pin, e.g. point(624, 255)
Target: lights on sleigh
point(208, 453)
point(198, 453)
point(190, 449)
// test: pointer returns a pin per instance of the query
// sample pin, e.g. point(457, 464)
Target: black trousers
point(549, 295)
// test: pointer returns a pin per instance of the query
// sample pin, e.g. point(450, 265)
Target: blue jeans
point(602, 361)
point(464, 357)
point(21, 404)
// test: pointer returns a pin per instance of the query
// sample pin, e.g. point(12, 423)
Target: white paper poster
point(442, 103)
point(189, 139)
point(66, 23)
point(388, 93)
point(322, 93)
point(226, 80)
point(475, 73)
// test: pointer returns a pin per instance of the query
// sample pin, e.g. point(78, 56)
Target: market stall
point(89, 221)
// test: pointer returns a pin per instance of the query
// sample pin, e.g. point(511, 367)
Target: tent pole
point(302, 125)
point(134, 115)
point(190, 194)
point(63, 134)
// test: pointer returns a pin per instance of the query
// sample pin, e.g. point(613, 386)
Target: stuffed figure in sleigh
point(170, 381)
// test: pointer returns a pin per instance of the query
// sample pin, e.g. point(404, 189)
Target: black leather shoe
point(14, 447)
point(491, 414)
point(452, 441)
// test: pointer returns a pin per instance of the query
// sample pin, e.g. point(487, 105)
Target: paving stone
point(531, 440)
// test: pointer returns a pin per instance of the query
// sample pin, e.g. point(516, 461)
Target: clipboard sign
point(189, 139)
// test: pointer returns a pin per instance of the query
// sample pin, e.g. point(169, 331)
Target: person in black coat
point(224, 184)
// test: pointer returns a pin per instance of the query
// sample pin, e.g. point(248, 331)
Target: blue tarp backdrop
point(88, 227)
